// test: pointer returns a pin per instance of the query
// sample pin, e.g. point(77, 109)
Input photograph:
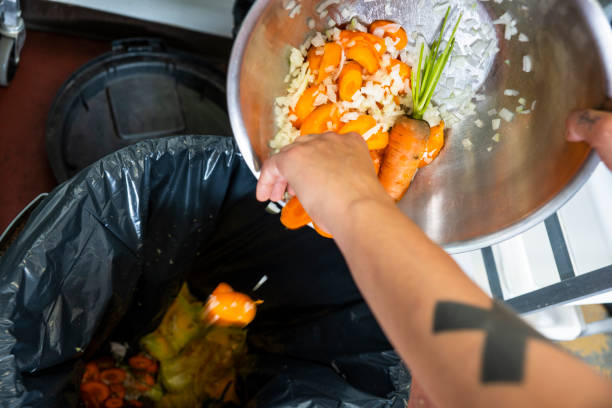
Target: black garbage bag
point(107, 251)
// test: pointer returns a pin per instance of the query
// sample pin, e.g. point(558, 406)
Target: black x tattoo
point(503, 357)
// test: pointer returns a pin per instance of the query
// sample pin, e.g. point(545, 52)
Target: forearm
point(404, 277)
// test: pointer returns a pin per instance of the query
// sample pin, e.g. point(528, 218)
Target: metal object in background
point(467, 199)
point(12, 38)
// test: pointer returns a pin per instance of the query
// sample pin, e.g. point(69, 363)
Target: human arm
point(417, 292)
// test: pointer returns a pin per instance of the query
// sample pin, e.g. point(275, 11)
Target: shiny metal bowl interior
point(467, 199)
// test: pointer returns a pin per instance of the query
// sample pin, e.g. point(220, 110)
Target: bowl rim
point(601, 30)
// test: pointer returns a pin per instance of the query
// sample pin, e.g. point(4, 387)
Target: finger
point(572, 132)
point(290, 190)
point(584, 125)
point(268, 178)
point(278, 190)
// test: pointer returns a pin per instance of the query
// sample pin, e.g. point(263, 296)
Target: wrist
point(361, 211)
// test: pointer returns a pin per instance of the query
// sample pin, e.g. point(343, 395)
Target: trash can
point(101, 258)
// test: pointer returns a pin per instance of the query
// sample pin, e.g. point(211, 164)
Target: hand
point(327, 172)
point(595, 128)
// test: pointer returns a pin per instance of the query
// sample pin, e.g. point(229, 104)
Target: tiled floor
point(47, 60)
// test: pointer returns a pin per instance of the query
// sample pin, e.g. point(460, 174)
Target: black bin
point(104, 254)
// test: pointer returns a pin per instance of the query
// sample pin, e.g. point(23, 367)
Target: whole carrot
point(407, 143)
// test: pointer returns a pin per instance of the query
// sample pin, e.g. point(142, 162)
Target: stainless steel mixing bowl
point(467, 199)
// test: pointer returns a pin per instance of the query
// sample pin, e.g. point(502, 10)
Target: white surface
point(587, 223)
point(206, 16)
point(560, 323)
point(526, 262)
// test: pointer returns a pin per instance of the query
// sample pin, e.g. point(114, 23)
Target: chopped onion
point(495, 124)
point(511, 92)
point(496, 138)
point(479, 123)
point(325, 4)
point(506, 115)
point(467, 144)
point(523, 38)
point(527, 63)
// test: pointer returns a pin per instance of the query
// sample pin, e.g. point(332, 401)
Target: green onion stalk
point(426, 77)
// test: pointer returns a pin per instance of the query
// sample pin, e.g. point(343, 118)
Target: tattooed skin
point(503, 357)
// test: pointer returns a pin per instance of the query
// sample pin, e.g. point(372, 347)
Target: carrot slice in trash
point(113, 403)
point(222, 288)
point(94, 392)
point(118, 390)
point(113, 375)
point(140, 362)
point(92, 372)
point(293, 215)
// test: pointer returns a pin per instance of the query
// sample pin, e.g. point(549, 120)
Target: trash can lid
point(141, 89)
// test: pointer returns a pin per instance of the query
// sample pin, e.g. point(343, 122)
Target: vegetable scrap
point(194, 357)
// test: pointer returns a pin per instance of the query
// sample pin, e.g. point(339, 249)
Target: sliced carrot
point(360, 125)
point(113, 403)
point(365, 55)
point(139, 386)
point(349, 38)
point(324, 118)
point(385, 28)
point(140, 362)
point(118, 390)
point(434, 145)
point(222, 288)
point(113, 375)
point(314, 57)
point(92, 372)
point(407, 142)
point(332, 55)
point(377, 157)
point(94, 393)
point(322, 232)
point(378, 141)
point(229, 309)
point(349, 81)
point(148, 379)
point(305, 104)
point(404, 70)
point(293, 215)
